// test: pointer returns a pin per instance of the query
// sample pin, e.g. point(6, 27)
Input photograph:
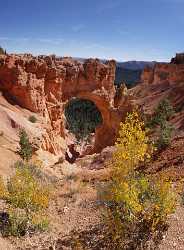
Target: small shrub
point(27, 199)
point(162, 113)
point(179, 108)
point(25, 192)
point(165, 109)
point(26, 150)
point(17, 224)
point(40, 222)
point(182, 198)
point(137, 206)
point(32, 119)
point(165, 135)
point(3, 190)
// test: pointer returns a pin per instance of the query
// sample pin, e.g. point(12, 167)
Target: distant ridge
point(136, 65)
point(128, 72)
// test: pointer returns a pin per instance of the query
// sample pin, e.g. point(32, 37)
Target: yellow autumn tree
point(27, 198)
point(137, 205)
point(131, 146)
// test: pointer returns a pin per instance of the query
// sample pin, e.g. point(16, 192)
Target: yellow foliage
point(25, 192)
point(135, 198)
point(36, 161)
point(3, 189)
point(27, 198)
point(40, 220)
point(131, 146)
point(163, 200)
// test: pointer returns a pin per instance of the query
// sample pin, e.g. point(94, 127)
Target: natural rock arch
point(45, 84)
point(105, 134)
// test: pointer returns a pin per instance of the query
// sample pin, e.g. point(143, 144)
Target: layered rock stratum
point(164, 80)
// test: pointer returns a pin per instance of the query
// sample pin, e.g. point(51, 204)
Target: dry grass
point(95, 175)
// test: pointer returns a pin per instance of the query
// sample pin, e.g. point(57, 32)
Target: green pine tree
point(26, 150)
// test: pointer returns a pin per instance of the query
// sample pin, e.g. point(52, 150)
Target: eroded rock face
point(45, 84)
point(164, 80)
point(164, 73)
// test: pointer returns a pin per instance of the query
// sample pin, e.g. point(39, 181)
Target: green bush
point(27, 199)
point(17, 224)
point(165, 135)
point(162, 113)
point(32, 119)
point(26, 150)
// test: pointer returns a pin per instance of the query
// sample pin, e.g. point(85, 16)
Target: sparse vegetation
point(163, 112)
point(137, 206)
point(160, 119)
point(165, 135)
point(27, 198)
point(182, 199)
point(26, 150)
point(32, 119)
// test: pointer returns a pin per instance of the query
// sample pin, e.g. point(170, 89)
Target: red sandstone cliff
point(164, 73)
point(171, 73)
point(45, 84)
point(164, 80)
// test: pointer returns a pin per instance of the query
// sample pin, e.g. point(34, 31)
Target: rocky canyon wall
point(45, 84)
point(164, 80)
point(171, 73)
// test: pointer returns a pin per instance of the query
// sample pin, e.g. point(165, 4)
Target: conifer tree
point(25, 146)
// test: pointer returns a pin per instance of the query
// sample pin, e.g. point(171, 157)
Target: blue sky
point(119, 29)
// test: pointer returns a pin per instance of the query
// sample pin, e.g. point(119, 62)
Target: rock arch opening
point(82, 118)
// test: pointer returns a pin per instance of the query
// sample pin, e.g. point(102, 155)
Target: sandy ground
point(174, 238)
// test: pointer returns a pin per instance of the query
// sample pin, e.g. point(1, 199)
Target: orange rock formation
point(164, 80)
point(45, 84)
point(165, 72)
